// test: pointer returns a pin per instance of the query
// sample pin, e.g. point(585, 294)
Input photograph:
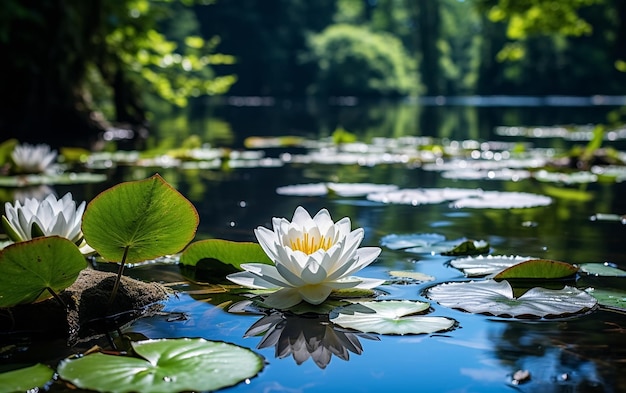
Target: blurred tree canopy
point(352, 60)
point(72, 66)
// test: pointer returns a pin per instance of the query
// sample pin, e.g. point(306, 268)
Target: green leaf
point(497, 298)
point(411, 275)
point(28, 269)
point(166, 365)
point(26, 379)
point(232, 253)
point(613, 298)
point(538, 269)
point(601, 269)
point(148, 217)
point(469, 247)
point(391, 317)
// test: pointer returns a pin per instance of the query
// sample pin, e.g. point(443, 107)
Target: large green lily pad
point(164, 366)
point(496, 298)
point(146, 218)
point(391, 317)
point(538, 269)
point(30, 270)
point(228, 252)
point(27, 379)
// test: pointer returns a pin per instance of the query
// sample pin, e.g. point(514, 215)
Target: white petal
point(267, 239)
point(314, 294)
point(313, 273)
point(301, 216)
point(250, 280)
point(269, 273)
point(283, 298)
point(291, 277)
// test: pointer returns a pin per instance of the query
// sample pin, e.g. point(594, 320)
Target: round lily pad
point(496, 298)
point(140, 220)
point(502, 200)
point(538, 269)
point(391, 317)
point(165, 366)
point(484, 265)
point(30, 271)
point(602, 269)
point(26, 379)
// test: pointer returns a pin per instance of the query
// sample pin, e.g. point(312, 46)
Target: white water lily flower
point(48, 217)
point(312, 257)
point(33, 158)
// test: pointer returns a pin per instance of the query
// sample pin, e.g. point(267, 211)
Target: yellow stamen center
point(309, 244)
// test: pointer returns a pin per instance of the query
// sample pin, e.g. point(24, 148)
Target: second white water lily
point(48, 217)
point(312, 257)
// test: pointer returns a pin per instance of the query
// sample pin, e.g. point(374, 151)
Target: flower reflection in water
point(304, 337)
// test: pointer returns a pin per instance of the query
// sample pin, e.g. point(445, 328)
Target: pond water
point(583, 353)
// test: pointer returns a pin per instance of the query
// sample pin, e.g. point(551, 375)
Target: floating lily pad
point(391, 317)
point(601, 269)
point(422, 196)
point(39, 179)
point(32, 270)
point(397, 242)
point(340, 189)
point(538, 269)
point(502, 200)
point(145, 219)
point(484, 265)
point(27, 379)
point(496, 298)
point(468, 247)
point(613, 298)
point(165, 365)
point(228, 252)
point(411, 275)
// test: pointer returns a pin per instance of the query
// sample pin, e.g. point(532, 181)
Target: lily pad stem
point(118, 278)
point(56, 297)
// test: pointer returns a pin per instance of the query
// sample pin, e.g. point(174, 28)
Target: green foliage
point(139, 220)
point(166, 365)
point(228, 252)
point(538, 269)
point(38, 269)
point(353, 60)
point(341, 135)
point(26, 379)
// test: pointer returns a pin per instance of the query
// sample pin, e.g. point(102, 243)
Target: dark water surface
point(582, 354)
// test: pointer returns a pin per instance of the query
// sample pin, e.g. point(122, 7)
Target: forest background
point(73, 68)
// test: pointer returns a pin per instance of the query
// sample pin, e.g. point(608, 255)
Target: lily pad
point(141, 219)
point(422, 196)
point(502, 200)
point(228, 252)
point(411, 275)
point(39, 179)
point(469, 247)
point(601, 269)
point(397, 242)
point(30, 271)
point(496, 298)
point(391, 317)
point(27, 379)
point(484, 265)
point(613, 298)
point(165, 365)
point(538, 269)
